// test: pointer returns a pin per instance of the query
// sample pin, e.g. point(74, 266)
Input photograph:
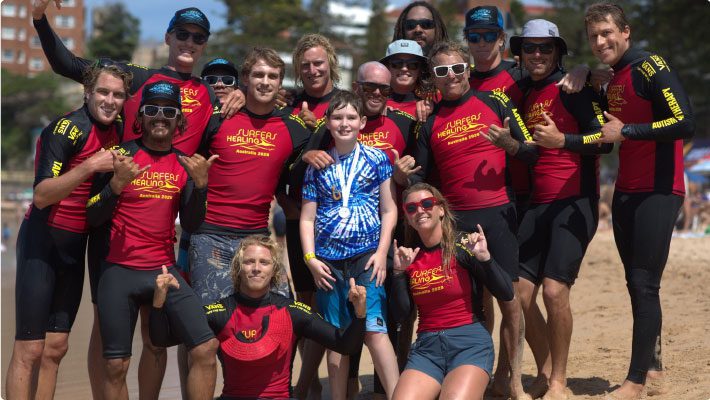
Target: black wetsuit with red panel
point(645, 93)
point(141, 241)
point(404, 102)
point(52, 241)
point(475, 176)
point(258, 341)
point(563, 213)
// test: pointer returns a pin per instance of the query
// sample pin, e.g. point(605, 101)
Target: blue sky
point(155, 14)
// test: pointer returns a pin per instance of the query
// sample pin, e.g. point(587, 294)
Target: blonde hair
point(308, 42)
point(257, 240)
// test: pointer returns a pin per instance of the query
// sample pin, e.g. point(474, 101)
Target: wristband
point(308, 256)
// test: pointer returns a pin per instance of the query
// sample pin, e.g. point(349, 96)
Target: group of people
point(430, 188)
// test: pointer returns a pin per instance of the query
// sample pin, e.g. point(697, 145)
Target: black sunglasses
point(227, 80)
point(426, 205)
point(152, 111)
point(370, 87)
point(441, 71)
point(425, 23)
point(410, 63)
point(197, 37)
point(488, 37)
point(544, 48)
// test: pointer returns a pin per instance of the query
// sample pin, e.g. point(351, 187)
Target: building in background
point(21, 50)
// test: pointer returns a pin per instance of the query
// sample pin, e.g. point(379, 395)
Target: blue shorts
point(334, 304)
point(438, 353)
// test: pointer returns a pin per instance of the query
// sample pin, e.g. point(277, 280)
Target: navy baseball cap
point(161, 90)
point(538, 28)
point(484, 17)
point(190, 15)
point(220, 63)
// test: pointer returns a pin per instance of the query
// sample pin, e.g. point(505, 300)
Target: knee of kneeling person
point(205, 352)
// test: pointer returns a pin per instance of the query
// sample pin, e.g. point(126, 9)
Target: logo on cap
point(481, 15)
point(162, 88)
point(192, 15)
point(219, 61)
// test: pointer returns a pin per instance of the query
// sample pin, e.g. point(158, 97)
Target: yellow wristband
point(308, 256)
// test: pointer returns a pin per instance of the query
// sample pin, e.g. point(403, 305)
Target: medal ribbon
point(346, 186)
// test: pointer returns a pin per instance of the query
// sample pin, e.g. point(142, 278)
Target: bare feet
point(656, 383)
point(557, 394)
point(627, 391)
point(539, 387)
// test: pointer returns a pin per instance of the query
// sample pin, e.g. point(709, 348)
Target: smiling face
point(184, 54)
point(158, 129)
point(315, 71)
point(607, 41)
point(106, 100)
point(257, 271)
point(404, 79)
point(220, 89)
point(451, 86)
point(539, 64)
point(373, 102)
point(345, 124)
point(423, 221)
point(263, 83)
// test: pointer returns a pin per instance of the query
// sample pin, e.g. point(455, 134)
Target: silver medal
point(344, 212)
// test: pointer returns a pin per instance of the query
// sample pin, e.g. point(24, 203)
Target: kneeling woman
point(444, 272)
point(258, 329)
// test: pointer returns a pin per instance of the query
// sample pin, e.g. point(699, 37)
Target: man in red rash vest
point(650, 115)
point(563, 213)
point(151, 182)
point(52, 239)
point(468, 138)
point(255, 148)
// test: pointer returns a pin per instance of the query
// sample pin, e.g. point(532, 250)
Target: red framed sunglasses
point(426, 204)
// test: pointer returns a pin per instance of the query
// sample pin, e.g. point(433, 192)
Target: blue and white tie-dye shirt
point(339, 238)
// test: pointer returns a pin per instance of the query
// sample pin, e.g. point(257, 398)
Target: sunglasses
point(544, 48)
point(488, 37)
point(426, 205)
point(197, 37)
point(167, 112)
point(425, 23)
point(411, 64)
point(442, 71)
point(370, 87)
point(227, 80)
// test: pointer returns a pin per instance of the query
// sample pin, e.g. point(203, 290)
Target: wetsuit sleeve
point(407, 126)
point(102, 200)
point(63, 61)
point(489, 272)
point(193, 206)
point(213, 124)
point(587, 111)
point(294, 165)
point(310, 325)
point(422, 152)
point(401, 300)
point(672, 115)
point(58, 143)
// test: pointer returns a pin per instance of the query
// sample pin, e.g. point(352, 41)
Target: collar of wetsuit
point(400, 98)
point(252, 302)
point(631, 55)
point(554, 77)
point(459, 101)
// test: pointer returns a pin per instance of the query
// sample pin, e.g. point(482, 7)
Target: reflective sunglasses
point(227, 80)
point(410, 63)
point(370, 87)
point(426, 204)
point(488, 37)
point(167, 112)
point(544, 48)
point(441, 71)
point(197, 37)
point(425, 23)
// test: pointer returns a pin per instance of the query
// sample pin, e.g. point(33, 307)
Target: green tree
point(27, 104)
point(117, 33)
point(377, 32)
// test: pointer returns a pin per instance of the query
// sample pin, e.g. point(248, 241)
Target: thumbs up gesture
point(611, 130)
point(547, 134)
point(307, 116)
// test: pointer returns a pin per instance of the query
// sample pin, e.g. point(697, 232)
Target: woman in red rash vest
point(258, 329)
point(443, 273)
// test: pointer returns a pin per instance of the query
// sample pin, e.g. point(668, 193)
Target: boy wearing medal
point(347, 219)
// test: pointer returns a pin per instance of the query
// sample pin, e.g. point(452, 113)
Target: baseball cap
point(220, 63)
point(403, 46)
point(161, 90)
point(484, 17)
point(276, 339)
point(538, 28)
point(190, 15)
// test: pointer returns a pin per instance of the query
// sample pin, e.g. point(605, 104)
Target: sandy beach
point(601, 341)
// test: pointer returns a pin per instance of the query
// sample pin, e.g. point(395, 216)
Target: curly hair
point(308, 42)
point(265, 242)
point(448, 226)
point(92, 73)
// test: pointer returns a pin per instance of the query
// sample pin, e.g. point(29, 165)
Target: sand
point(601, 342)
